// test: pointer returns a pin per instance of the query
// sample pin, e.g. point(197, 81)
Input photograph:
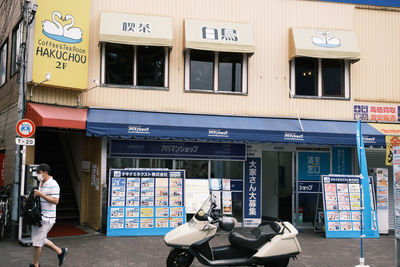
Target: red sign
point(25, 128)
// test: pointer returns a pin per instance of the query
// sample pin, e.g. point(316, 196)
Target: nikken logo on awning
point(218, 133)
point(138, 129)
point(293, 136)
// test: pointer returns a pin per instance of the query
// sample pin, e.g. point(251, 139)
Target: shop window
point(138, 66)
point(155, 163)
point(3, 63)
point(194, 168)
point(215, 72)
point(16, 47)
point(121, 163)
point(227, 169)
point(321, 78)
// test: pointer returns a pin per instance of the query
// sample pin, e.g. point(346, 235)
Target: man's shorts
point(39, 234)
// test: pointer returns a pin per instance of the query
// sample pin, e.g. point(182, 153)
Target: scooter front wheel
point(278, 263)
point(179, 258)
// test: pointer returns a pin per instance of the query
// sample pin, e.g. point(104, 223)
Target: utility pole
point(28, 14)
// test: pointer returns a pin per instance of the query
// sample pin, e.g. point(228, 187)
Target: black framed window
point(150, 65)
point(16, 45)
point(215, 72)
point(320, 77)
point(307, 76)
point(118, 64)
point(332, 77)
point(145, 66)
point(3, 63)
point(230, 72)
point(201, 70)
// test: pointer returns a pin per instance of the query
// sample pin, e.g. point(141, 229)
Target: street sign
point(25, 128)
point(25, 141)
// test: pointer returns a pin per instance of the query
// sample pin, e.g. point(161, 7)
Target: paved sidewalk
point(99, 250)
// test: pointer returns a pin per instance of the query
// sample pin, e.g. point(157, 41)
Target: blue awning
point(138, 124)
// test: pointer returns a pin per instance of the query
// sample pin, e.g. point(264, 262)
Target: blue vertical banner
point(341, 160)
point(362, 161)
point(252, 193)
point(312, 165)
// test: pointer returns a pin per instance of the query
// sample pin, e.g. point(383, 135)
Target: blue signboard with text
point(252, 192)
point(312, 165)
point(341, 160)
point(164, 149)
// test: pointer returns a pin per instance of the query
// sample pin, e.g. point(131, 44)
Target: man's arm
point(52, 200)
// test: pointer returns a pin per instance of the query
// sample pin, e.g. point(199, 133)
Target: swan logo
point(56, 31)
point(325, 39)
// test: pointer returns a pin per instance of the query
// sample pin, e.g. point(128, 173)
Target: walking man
point(49, 193)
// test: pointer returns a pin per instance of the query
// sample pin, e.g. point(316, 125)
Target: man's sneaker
point(62, 256)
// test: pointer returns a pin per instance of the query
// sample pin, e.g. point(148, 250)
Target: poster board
point(143, 202)
point(342, 206)
point(382, 199)
point(196, 192)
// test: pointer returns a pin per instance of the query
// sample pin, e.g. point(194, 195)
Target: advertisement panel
point(145, 202)
point(312, 165)
point(61, 44)
point(343, 207)
point(252, 192)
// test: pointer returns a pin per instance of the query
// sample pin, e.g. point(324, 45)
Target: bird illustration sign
point(61, 45)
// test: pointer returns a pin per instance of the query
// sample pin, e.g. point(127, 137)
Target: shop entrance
point(277, 184)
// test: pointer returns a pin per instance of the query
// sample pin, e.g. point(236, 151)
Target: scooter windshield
point(203, 213)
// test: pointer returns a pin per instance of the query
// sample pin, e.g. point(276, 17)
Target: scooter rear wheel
point(278, 263)
point(179, 258)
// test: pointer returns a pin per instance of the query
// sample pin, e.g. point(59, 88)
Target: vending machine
point(28, 182)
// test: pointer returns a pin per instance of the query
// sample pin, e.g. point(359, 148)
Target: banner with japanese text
point(252, 193)
point(61, 44)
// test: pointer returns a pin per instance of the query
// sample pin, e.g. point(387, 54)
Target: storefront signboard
point(252, 192)
point(61, 45)
point(145, 201)
point(396, 190)
point(164, 149)
point(341, 160)
point(309, 187)
point(342, 207)
point(379, 113)
point(311, 165)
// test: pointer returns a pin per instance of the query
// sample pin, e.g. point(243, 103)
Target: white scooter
point(271, 244)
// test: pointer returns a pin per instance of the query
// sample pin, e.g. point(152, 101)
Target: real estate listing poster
point(145, 201)
point(342, 206)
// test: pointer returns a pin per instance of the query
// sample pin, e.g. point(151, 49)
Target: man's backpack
point(32, 211)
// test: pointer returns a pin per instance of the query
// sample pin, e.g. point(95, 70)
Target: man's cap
point(43, 167)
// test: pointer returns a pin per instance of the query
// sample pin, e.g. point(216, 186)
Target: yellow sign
point(391, 141)
point(61, 44)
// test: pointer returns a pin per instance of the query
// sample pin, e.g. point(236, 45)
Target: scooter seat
point(252, 239)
